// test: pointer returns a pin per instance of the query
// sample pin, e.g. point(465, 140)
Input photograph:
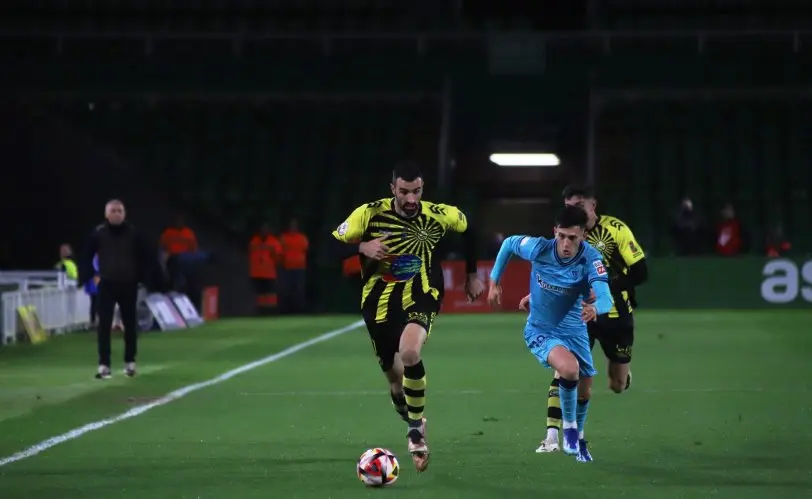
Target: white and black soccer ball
point(378, 467)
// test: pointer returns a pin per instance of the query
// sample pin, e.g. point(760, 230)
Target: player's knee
point(569, 369)
point(584, 395)
point(410, 356)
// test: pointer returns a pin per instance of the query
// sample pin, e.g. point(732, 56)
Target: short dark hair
point(409, 171)
point(571, 216)
point(583, 190)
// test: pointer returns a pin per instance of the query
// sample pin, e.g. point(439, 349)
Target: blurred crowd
point(694, 234)
point(277, 267)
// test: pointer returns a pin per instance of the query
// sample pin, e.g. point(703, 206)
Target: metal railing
point(60, 310)
point(24, 280)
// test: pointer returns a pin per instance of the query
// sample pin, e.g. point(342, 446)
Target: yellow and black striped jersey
point(620, 250)
point(412, 268)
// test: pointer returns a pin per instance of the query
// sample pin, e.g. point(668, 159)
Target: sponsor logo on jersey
point(599, 268)
point(399, 268)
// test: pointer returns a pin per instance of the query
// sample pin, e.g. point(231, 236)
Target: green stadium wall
point(674, 283)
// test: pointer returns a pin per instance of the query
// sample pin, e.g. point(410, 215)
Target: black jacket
point(124, 256)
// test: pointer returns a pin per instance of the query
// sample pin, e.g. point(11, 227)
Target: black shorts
point(616, 337)
point(385, 335)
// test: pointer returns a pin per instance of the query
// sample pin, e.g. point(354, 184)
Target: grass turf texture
point(720, 407)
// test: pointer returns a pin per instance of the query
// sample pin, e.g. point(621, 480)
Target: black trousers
point(125, 294)
point(94, 308)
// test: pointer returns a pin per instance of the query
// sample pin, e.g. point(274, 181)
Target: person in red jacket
point(777, 244)
point(729, 233)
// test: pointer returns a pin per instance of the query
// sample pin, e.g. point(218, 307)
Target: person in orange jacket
point(295, 246)
point(177, 240)
point(264, 252)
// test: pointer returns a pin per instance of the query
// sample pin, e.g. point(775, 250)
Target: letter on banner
point(165, 313)
point(186, 309)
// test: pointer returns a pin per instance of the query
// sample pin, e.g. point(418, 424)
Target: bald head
point(114, 212)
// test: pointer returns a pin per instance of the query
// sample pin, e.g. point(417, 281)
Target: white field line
point(172, 396)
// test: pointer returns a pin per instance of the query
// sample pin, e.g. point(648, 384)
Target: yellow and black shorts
point(385, 335)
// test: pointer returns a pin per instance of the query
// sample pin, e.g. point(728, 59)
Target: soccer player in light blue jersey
point(563, 271)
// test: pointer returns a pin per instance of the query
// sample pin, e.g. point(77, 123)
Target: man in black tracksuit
point(125, 259)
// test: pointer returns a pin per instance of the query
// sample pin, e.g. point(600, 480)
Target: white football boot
point(549, 444)
point(419, 450)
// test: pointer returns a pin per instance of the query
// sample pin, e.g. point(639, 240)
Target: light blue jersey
point(557, 287)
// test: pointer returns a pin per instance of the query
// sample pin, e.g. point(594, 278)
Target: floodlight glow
point(525, 159)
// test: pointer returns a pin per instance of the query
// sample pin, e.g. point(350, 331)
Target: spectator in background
point(264, 251)
point(729, 233)
point(177, 240)
point(351, 269)
point(92, 290)
point(66, 263)
point(351, 266)
point(294, 274)
point(777, 244)
point(686, 230)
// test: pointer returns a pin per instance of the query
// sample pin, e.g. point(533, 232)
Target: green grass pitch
point(720, 407)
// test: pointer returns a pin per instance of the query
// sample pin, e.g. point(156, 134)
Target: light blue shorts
point(541, 344)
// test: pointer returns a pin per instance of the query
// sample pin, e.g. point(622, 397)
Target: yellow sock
point(553, 406)
point(414, 387)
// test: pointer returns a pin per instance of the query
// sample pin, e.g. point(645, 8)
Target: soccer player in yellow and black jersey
point(403, 286)
point(627, 268)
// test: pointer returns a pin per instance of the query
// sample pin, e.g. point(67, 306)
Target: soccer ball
point(378, 467)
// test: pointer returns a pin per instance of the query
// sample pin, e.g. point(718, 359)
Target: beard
point(410, 209)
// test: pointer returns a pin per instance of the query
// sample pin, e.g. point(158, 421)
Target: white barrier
point(59, 310)
point(28, 279)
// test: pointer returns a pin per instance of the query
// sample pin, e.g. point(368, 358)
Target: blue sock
point(568, 391)
point(580, 416)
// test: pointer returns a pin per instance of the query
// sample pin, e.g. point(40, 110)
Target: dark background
point(237, 112)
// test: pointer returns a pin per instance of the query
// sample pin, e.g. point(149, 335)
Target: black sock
point(399, 402)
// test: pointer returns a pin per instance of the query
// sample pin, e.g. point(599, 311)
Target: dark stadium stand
point(241, 161)
point(753, 153)
point(246, 122)
point(703, 14)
